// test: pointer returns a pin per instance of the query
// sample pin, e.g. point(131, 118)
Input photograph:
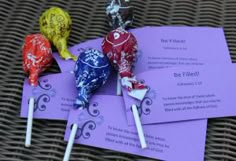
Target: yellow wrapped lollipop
point(55, 24)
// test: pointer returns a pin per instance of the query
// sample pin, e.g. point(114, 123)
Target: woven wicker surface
point(20, 17)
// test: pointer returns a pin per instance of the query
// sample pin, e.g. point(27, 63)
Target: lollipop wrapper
point(37, 56)
point(120, 46)
point(91, 71)
point(55, 24)
point(135, 88)
point(119, 13)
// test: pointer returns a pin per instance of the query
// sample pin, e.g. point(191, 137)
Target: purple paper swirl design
point(88, 120)
point(144, 107)
point(93, 110)
point(43, 94)
point(45, 85)
point(84, 131)
point(40, 102)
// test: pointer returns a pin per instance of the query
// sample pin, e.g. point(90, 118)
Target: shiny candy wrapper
point(37, 56)
point(120, 13)
point(120, 46)
point(55, 24)
point(91, 71)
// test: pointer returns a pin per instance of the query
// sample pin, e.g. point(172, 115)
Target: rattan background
point(20, 17)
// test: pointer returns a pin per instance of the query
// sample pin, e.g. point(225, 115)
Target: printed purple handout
point(186, 93)
point(55, 95)
point(103, 125)
point(160, 47)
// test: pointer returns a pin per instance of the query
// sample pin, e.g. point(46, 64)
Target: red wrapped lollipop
point(37, 56)
point(120, 46)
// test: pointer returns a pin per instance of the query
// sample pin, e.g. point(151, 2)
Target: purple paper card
point(183, 141)
point(55, 95)
point(186, 93)
point(160, 47)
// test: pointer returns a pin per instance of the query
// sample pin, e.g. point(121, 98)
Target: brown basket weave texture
point(20, 17)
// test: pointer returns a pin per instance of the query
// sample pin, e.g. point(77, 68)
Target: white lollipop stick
point(118, 87)
point(139, 127)
point(29, 123)
point(70, 142)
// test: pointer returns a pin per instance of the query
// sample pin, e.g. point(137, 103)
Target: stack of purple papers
point(189, 74)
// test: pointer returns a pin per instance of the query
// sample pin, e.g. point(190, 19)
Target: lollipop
point(120, 47)
point(37, 56)
point(91, 72)
point(119, 13)
point(55, 24)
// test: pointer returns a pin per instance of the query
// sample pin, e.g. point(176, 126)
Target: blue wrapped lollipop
point(91, 71)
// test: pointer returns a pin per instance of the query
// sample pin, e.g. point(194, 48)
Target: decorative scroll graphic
point(43, 94)
point(84, 130)
point(93, 109)
point(88, 120)
point(144, 108)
